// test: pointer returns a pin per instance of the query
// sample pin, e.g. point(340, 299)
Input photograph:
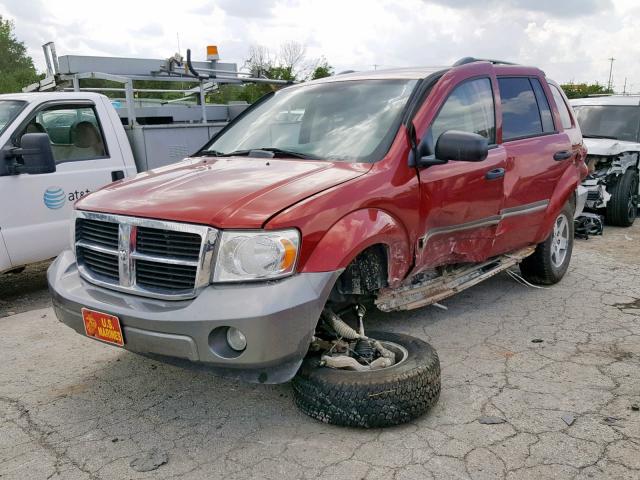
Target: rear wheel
point(622, 207)
point(373, 398)
point(550, 261)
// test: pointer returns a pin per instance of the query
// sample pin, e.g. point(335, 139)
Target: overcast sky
point(570, 39)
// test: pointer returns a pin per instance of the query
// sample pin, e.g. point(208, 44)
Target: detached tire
point(550, 261)
point(378, 398)
point(621, 209)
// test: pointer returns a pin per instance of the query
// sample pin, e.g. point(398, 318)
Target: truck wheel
point(621, 209)
point(548, 264)
point(373, 398)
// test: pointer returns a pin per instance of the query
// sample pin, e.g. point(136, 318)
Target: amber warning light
point(212, 52)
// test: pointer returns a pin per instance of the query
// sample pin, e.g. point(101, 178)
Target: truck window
point(620, 122)
point(565, 116)
point(520, 114)
point(74, 132)
point(352, 121)
point(469, 108)
point(9, 109)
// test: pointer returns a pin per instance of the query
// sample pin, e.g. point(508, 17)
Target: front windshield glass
point(9, 109)
point(609, 121)
point(349, 121)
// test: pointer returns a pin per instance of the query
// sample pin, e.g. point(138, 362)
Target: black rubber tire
point(538, 267)
point(379, 398)
point(620, 210)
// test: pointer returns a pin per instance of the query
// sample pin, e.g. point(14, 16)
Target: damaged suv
point(611, 128)
point(259, 255)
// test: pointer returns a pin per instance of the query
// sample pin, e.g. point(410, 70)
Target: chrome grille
point(167, 242)
point(146, 257)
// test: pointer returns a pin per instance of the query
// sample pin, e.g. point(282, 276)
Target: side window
point(469, 108)
point(565, 116)
point(73, 131)
point(520, 114)
point(543, 106)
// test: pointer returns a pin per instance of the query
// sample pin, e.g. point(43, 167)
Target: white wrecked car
point(611, 127)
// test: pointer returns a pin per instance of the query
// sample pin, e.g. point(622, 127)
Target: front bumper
point(278, 319)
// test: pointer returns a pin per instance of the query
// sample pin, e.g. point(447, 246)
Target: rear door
point(35, 222)
point(460, 201)
point(538, 152)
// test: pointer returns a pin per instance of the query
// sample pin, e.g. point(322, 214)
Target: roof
point(47, 96)
point(618, 100)
point(410, 73)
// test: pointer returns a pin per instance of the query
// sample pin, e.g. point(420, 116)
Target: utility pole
point(610, 72)
point(624, 89)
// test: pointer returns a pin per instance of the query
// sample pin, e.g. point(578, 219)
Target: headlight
point(256, 255)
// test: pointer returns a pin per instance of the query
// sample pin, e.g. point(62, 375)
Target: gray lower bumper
point(278, 319)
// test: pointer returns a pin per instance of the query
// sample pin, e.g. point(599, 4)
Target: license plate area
point(102, 326)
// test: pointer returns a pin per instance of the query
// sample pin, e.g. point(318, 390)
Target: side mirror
point(462, 146)
point(36, 153)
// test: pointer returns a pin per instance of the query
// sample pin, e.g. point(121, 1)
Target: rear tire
point(550, 261)
point(377, 398)
point(621, 209)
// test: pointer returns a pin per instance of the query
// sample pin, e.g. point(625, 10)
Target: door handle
point(495, 173)
point(562, 155)
point(117, 175)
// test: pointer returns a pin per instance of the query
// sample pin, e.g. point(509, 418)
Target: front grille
point(104, 234)
point(168, 243)
point(165, 277)
point(146, 257)
point(103, 264)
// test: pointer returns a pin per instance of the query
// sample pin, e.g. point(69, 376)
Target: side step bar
point(449, 283)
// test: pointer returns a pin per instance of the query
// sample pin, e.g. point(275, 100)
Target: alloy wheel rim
point(560, 241)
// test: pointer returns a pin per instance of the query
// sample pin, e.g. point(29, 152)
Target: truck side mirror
point(36, 153)
point(461, 146)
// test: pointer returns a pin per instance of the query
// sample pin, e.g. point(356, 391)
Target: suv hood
point(233, 192)
point(608, 147)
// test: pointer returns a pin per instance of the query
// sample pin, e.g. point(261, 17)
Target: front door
point(35, 216)
point(460, 201)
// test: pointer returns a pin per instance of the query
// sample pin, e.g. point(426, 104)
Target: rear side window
point(520, 114)
point(565, 116)
point(543, 106)
point(469, 108)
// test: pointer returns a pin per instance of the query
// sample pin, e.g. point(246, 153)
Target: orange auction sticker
point(102, 326)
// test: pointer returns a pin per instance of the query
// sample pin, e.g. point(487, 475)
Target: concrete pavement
point(72, 408)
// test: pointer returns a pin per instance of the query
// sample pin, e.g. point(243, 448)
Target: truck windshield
point(609, 121)
point(9, 109)
point(353, 121)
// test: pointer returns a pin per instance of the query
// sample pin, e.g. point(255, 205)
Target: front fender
point(567, 185)
point(354, 233)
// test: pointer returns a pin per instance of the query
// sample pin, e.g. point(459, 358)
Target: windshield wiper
point(208, 153)
point(599, 136)
point(273, 150)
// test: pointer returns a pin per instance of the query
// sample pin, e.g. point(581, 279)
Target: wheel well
point(367, 273)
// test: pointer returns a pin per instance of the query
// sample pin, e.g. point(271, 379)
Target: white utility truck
point(94, 140)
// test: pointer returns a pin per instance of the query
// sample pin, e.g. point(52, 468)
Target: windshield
point(609, 121)
point(350, 121)
point(9, 109)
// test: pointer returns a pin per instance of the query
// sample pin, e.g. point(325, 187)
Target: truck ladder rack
point(449, 283)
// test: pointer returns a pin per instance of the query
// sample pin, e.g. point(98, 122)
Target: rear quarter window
point(565, 116)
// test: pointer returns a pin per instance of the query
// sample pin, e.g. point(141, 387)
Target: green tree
point(580, 90)
point(322, 70)
point(16, 67)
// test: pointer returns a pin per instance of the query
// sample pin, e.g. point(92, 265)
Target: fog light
point(236, 339)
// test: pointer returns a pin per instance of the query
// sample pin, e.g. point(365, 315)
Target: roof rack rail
point(465, 60)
